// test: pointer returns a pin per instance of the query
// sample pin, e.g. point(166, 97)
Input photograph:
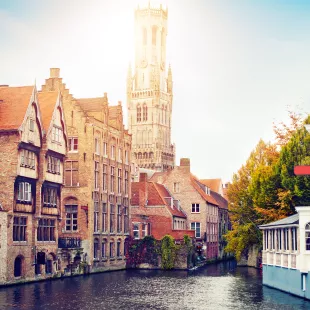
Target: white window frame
point(195, 206)
point(135, 230)
point(24, 191)
point(196, 225)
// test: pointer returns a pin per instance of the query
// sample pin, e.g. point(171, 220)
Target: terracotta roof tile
point(47, 102)
point(222, 202)
point(197, 185)
point(13, 106)
point(213, 184)
point(156, 194)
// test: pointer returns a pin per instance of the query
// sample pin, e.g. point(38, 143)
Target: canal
point(219, 286)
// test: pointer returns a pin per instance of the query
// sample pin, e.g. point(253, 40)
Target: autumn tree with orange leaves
point(265, 189)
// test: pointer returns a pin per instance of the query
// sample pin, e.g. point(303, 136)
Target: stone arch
point(19, 266)
point(49, 264)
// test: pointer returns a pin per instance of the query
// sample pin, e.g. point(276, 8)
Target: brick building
point(196, 200)
point(97, 181)
point(154, 211)
point(33, 146)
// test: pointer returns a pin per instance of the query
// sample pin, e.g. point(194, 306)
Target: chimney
point(185, 164)
point(143, 190)
point(143, 177)
point(54, 72)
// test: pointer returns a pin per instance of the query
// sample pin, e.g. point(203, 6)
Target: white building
point(286, 253)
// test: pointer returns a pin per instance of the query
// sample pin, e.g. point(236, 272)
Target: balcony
point(69, 243)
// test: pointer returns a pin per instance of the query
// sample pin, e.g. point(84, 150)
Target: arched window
point(154, 34)
point(145, 155)
point(138, 113)
point(112, 254)
point(144, 36)
point(144, 113)
point(18, 264)
point(307, 232)
point(96, 248)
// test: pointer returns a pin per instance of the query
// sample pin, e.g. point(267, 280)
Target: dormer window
point(56, 134)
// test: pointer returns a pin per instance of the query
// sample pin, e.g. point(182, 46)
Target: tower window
point(138, 114)
point(154, 33)
point(144, 35)
point(144, 113)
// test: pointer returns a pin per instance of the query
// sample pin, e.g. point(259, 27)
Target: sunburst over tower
point(150, 92)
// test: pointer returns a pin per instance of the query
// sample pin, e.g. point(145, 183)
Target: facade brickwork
point(99, 147)
point(195, 200)
point(29, 213)
point(155, 212)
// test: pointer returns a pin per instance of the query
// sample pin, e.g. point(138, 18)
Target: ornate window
point(307, 231)
point(144, 113)
point(138, 113)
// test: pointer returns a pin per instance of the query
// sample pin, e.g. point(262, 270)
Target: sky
point(238, 65)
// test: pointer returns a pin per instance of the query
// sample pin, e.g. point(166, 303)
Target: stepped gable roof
point(91, 104)
point(156, 194)
point(47, 102)
point(222, 202)
point(213, 184)
point(200, 189)
point(287, 221)
point(14, 102)
point(114, 112)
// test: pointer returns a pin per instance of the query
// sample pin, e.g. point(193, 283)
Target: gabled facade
point(155, 212)
point(286, 252)
point(97, 177)
point(23, 136)
point(196, 201)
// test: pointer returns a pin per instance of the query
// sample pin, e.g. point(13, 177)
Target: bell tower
point(150, 93)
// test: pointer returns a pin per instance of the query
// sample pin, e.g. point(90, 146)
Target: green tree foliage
point(265, 189)
point(168, 252)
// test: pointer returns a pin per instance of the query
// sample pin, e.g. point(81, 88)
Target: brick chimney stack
point(54, 72)
point(143, 189)
point(185, 164)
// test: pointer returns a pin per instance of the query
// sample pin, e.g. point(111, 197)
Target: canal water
point(219, 286)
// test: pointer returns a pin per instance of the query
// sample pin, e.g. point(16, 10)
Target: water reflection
point(220, 286)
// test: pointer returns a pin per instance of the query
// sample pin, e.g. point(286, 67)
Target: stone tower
point(150, 93)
